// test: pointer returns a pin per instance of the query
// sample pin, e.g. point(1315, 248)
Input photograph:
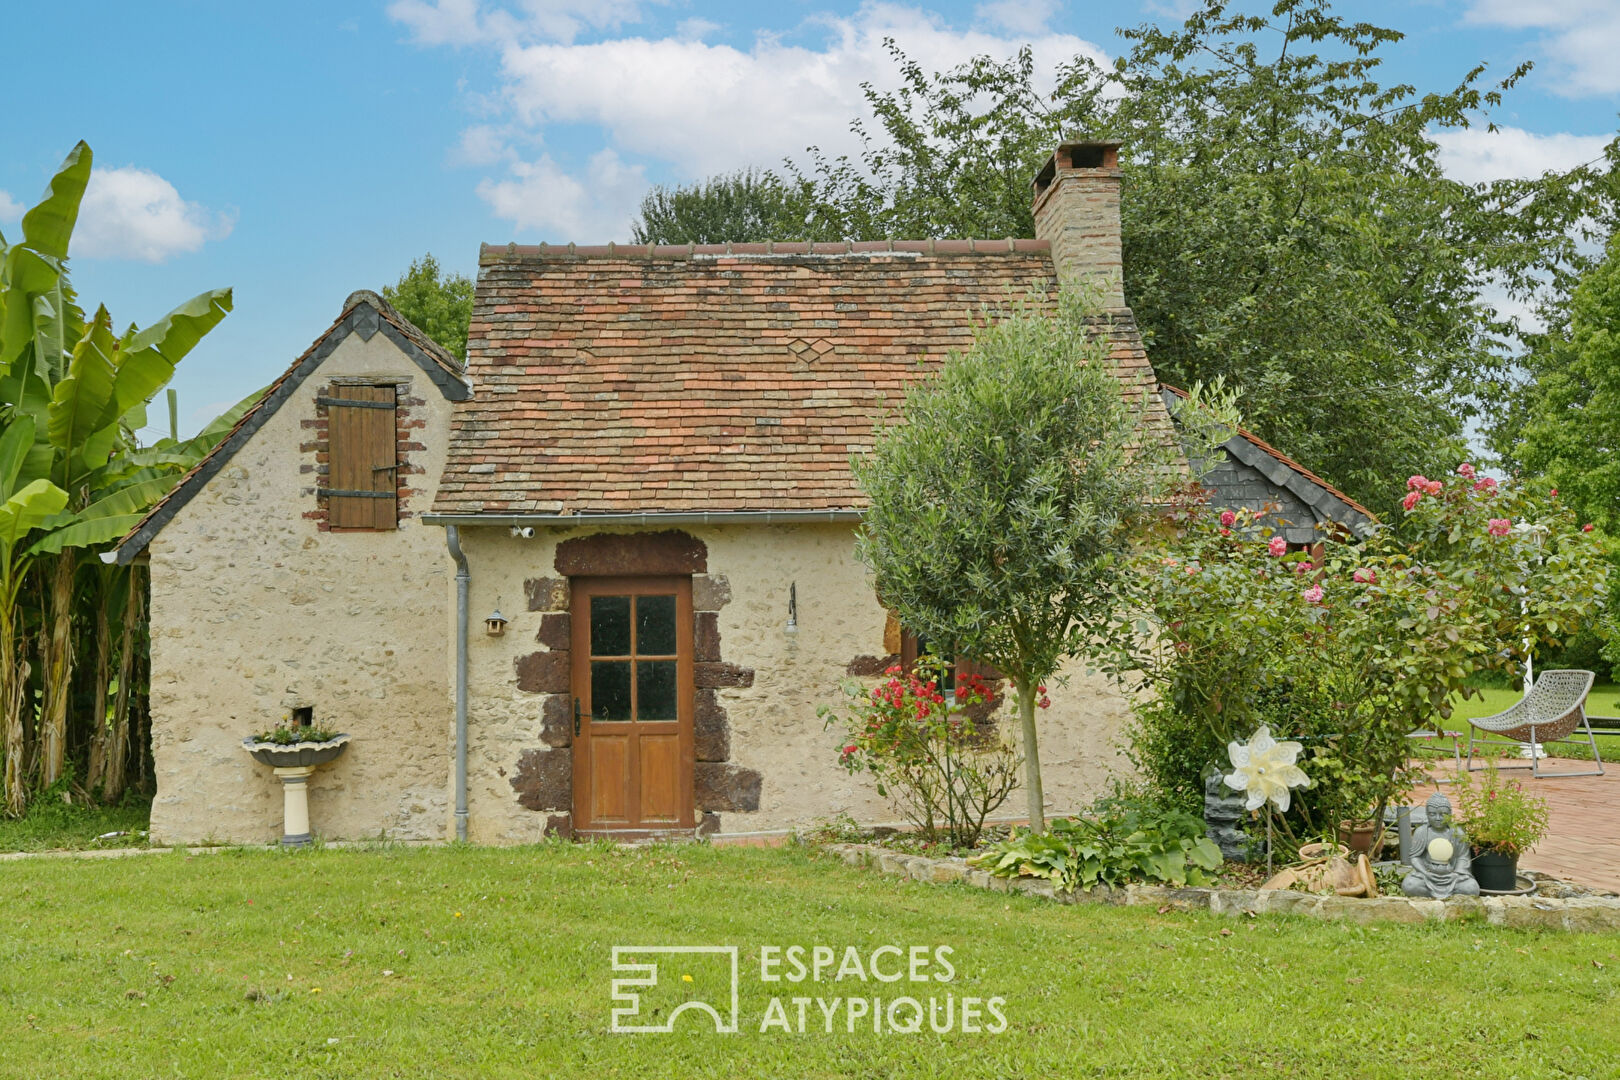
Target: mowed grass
point(1604, 700)
point(496, 962)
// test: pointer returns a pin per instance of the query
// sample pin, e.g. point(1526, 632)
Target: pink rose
point(1486, 485)
point(1555, 493)
point(1313, 595)
point(1366, 576)
point(1228, 518)
point(1303, 567)
point(1499, 527)
point(1466, 471)
point(1434, 487)
point(1191, 569)
point(1411, 500)
point(1415, 483)
point(1278, 547)
point(1226, 532)
point(1587, 527)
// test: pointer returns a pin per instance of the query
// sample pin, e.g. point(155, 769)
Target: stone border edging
point(1587, 913)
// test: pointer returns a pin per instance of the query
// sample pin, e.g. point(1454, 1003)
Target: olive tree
point(1006, 493)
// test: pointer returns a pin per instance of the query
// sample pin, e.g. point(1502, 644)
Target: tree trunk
point(118, 751)
point(1032, 756)
point(100, 730)
point(58, 669)
point(13, 677)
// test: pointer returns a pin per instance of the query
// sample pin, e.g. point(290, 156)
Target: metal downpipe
point(452, 537)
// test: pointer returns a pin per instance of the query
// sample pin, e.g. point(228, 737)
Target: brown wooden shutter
point(361, 461)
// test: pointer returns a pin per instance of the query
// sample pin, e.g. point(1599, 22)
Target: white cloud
point(591, 208)
point(695, 107)
point(10, 209)
point(133, 213)
point(695, 29)
point(1581, 37)
point(1476, 155)
point(1019, 16)
point(467, 22)
point(482, 144)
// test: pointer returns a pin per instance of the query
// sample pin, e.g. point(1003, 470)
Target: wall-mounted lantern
point(793, 608)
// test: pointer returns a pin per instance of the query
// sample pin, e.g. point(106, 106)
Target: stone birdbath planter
point(294, 761)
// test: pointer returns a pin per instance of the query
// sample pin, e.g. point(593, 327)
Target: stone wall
point(759, 740)
point(256, 609)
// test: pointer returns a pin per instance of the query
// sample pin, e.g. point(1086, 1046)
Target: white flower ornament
point(1264, 769)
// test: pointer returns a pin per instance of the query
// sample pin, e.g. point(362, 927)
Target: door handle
point(577, 716)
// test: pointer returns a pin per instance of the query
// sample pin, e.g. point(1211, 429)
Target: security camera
point(525, 531)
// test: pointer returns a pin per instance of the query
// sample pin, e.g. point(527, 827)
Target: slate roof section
point(725, 378)
point(1327, 502)
point(364, 313)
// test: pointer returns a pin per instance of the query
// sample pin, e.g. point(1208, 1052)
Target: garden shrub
point(943, 772)
point(1354, 645)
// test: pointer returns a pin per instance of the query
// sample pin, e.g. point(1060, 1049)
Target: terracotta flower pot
point(1362, 837)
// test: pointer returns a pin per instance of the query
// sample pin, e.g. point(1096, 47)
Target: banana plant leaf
point(26, 510)
point(48, 227)
point(103, 520)
point(83, 418)
point(149, 355)
point(14, 446)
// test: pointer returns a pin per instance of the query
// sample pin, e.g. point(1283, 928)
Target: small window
point(303, 716)
point(362, 458)
point(913, 646)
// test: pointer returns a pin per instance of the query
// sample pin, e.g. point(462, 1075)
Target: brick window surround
point(316, 449)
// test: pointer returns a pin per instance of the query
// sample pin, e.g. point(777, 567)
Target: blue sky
point(300, 150)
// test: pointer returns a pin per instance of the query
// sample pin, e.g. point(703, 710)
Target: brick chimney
point(1077, 211)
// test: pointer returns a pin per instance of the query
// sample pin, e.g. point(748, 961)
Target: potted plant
point(1502, 820)
point(288, 745)
point(293, 750)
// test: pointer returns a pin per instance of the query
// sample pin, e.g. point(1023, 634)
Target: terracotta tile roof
point(621, 379)
point(1260, 444)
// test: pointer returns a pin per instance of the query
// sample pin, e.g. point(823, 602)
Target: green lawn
point(1604, 700)
point(496, 962)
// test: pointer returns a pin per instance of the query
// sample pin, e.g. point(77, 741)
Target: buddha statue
point(1440, 863)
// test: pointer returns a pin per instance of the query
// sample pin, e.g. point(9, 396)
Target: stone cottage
point(600, 580)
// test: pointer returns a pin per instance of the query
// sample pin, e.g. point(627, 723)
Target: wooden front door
point(632, 680)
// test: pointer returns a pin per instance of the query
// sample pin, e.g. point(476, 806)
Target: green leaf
point(151, 355)
point(26, 275)
point(103, 520)
point(27, 510)
point(14, 446)
point(82, 406)
point(48, 227)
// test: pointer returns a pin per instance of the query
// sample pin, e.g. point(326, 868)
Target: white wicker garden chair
point(1554, 710)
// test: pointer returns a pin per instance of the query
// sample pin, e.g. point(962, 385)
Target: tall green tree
point(1287, 222)
point(437, 303)
point(1002, 502)
point(747, 205)
point(1570, 433)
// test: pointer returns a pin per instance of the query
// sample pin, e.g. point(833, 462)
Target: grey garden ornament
point(1440, 863)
